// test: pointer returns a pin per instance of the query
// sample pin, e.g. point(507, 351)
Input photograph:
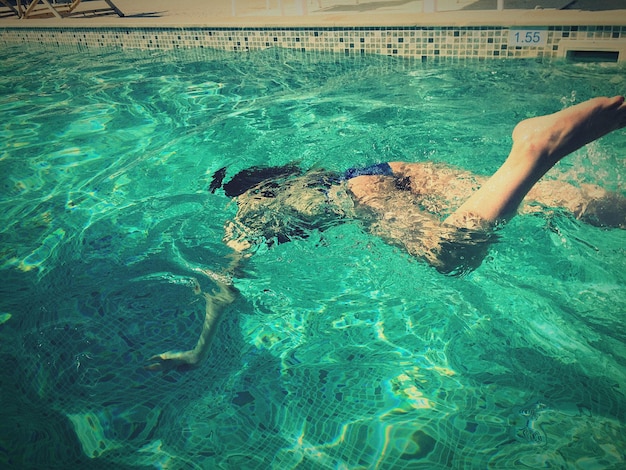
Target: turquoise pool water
point(341, 352)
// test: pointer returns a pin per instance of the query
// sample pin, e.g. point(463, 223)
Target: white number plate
point(528, 37)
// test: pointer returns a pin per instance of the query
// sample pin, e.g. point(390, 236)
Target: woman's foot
point(554, 136)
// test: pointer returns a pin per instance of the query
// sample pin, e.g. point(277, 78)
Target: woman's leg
point(538, 144)
point(587, 202)
point(460, 243)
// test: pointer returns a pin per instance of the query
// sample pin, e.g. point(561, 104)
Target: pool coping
point(441, 18)
point(449, 34)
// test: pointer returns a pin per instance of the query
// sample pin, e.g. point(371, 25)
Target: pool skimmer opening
point(593, 51)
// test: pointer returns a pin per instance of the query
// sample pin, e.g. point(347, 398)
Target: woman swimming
point(435, 212)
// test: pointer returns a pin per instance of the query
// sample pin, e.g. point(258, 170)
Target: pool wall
point(415, 42)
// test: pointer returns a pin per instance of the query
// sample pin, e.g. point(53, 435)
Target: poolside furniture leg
point(33, 4)
point(73, 5)
point(11, 7)
point(52, 9)
point(70, 8)
point(30, 8)
point(114, 8)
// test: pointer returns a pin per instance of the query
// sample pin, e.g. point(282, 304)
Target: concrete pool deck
point(309, 13)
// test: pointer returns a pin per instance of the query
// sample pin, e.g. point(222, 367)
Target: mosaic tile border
point(407, 42)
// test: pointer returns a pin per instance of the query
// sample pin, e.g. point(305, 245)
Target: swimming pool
point(341, 352)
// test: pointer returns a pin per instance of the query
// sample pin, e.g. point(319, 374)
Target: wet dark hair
point(251, 177)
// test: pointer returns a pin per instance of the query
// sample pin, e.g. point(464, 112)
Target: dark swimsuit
point(378, 169)
point(402, 183)
point(326, 180)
